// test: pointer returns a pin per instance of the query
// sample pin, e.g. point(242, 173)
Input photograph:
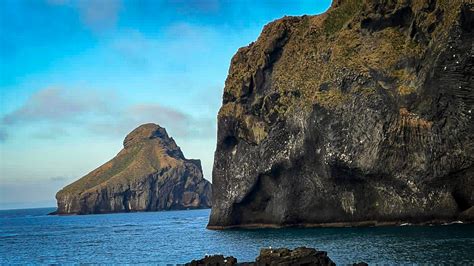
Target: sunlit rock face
point(359, 116)
point(150, 173)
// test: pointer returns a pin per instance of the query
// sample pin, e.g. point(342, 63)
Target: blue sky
point(77, 76)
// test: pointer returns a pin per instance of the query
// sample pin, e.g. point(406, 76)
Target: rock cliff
point(150, 173)
point(359, 116)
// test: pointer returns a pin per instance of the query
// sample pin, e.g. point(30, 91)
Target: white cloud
point(58, 104)
point(56, 112)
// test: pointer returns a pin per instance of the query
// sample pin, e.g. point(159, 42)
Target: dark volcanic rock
point(359, 116)
point(298, 256)
point(213, 260)
point(150, 173)
point(280, 256)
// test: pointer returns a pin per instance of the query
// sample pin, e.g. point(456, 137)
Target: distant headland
point(149, 174)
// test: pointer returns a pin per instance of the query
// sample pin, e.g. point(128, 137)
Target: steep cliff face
point(361, 115)
point(149, 174)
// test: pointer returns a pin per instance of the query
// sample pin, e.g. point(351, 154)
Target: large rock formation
point(150, 173)
point(361, 115)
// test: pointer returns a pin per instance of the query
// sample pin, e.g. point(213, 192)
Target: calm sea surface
point(30, 236)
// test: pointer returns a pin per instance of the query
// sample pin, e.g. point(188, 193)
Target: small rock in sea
point(278, 256)
point(213, 260)
point(298, 256)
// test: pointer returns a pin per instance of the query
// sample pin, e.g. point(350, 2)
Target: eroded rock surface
point(150, 173)
point(359, 116)
point(269, 256)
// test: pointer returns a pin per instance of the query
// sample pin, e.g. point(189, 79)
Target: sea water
point(31, 236)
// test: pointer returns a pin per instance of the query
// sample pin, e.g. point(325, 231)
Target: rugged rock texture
point(359, 116)
point(149, 174)
point(298, 256)
point(280, 256)
point(214, 260)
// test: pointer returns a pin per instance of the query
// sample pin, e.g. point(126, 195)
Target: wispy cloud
point(58, 104)
point(157, 111)
point(97, 15)
point(61, 109)
point(129, 117)
point(60, 178)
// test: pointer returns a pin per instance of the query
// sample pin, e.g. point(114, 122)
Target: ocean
point(172, 237)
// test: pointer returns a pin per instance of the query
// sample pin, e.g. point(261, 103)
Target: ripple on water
point(180, 236)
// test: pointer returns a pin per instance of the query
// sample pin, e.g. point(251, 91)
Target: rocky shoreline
point(337, 224)
point(278, 256)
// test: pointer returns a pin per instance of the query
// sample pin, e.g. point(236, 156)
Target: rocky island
point(149, 174)
point(359, 116)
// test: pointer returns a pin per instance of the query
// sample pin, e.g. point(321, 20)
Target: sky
point(77, 76)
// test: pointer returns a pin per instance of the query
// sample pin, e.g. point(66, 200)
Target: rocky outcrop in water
point(150, 173)
point(359, 116)
point(269, 256)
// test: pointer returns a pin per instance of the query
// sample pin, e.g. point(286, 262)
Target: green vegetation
point(105, 172)
point(331, 98)
point(341, 15)
point(319, 51)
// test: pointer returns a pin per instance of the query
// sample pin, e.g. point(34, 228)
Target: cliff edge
point(359, 116)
